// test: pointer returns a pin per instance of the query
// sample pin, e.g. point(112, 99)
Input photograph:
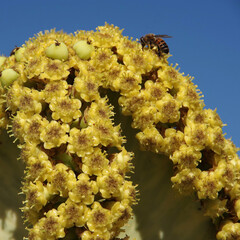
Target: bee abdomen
point(164, 48)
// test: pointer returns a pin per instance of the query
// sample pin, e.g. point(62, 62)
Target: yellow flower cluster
point(54, 99)
point(75, 181)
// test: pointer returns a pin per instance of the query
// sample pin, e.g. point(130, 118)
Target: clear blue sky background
point(205, 43)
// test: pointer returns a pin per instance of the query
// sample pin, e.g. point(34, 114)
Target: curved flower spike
point(57, 98)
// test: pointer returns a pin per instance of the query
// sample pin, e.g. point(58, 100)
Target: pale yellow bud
point(83, 49)
point(57, 51)
point(8, 76)
point(19, 54)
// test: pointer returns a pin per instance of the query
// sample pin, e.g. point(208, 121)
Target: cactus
point(55, 101)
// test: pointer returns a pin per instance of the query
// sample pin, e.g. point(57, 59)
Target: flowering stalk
point(53, 98)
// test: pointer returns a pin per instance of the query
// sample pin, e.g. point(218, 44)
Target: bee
point(14, 50)
point(152, 40)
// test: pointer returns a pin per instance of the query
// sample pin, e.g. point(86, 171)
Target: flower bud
point(8, 76)
point(83, 49)
point(57, 50)
point(19, 54)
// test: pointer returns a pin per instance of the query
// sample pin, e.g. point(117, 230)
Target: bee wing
point(163, 36)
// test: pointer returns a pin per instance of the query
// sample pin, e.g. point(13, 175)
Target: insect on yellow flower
point(62, 97)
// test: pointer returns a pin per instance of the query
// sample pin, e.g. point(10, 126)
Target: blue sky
point(205, 43)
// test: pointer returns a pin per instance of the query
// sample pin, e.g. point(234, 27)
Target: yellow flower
point(35, 66)
point(61, 180)
point(145, 117)
point(173, 140)
point(99, 219)
point(230, 149)
point(169, 76)
point(139, 62)
point(17, 127)
point(216, 140)
point(49, 227)
point(154, 91)
point(128, 193)
point(168, 109)
point(72, 214)
point(196, 116)
point(208, 185)
point(212, 118)
point(54, 69)
point(186, 157)
point(55, 89)
point(37, 195)
point(99, 110)
point(39, 167)
point(185, 179)
point(87, 235)
point(105, 36)
point(65, 109)
point(231, 173)
point(215, 208)
point(83, 190)
point(106, 134)
point(112, 77)
point(109, 184)
point(151, 140)
point(188, 96)
point(33, 126)
point(87, 87)
point(230, 230)
point(132, 102)
point(95, 163)
point(121, 213)
point(103, 59)
point(121, 162)
point(126, 46)
point(81, 141)
point(54, 134)
point(23, 98)
point(127, 82)
point(29, 150)
point(196, 135)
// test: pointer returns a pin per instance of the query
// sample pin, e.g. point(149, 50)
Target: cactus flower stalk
point(55, 101)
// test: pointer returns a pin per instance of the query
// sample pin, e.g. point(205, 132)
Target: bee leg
point(159, 52)
point(142, 42)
